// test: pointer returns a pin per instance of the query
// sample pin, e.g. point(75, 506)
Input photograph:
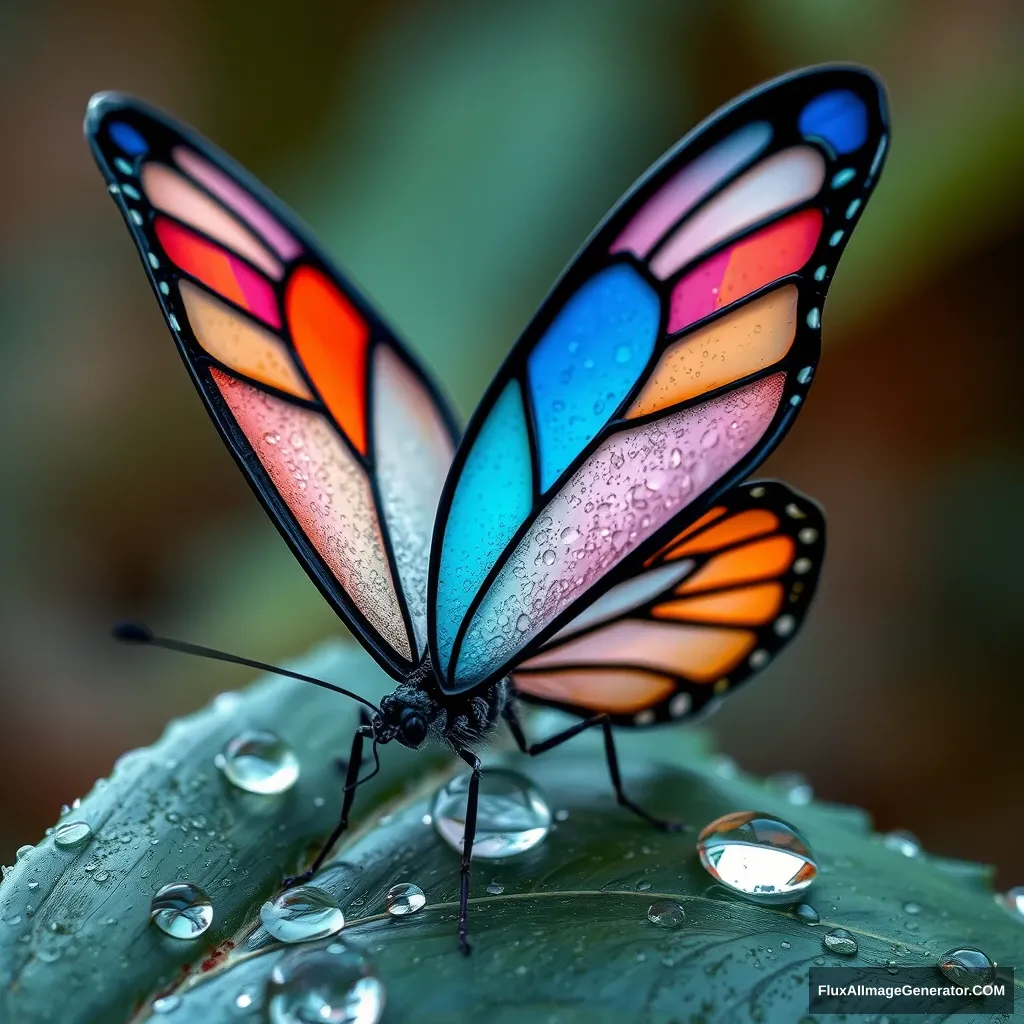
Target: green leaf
point(568, 937)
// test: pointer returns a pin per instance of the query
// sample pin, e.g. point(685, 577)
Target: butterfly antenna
point(135, 633)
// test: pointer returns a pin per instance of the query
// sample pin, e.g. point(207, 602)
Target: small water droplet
point(656, 479)
point(967, 966)
point(840, 941)
point(643, 886)
point(623, 353)
point(271, 438)
point(758, 856)
point(329, 985)
point(166, 1003)
point(709, 438)
point(302, 914)
point(101, 876)
point(807, 913)
point(72, 833)
point(23, 851)
point(561, 814)
point(1013, 900)
point(513, 816)
point(404, 898)
point(548, 557)
point(793, 786)
point(786, 945)
point(181, 910)
point(523, 623)
point(912, 908)
point(569, 535)
point(258, 762)
point(666, 914)
point(903, 842)
point(495, 888)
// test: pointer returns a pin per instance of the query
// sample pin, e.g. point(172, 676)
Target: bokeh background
point(453, 155)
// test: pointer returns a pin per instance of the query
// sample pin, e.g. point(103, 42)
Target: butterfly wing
point(705, 613)
point(336, 427)
point(669, 359)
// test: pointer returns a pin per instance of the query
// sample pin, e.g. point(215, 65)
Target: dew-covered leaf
point(604, 920)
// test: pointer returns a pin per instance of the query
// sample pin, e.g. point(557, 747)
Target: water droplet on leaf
point(166, 1004)
point(807, 913)
point(840, 941)
point(1013, 901)
point(967, 966)
point(23, 851)
point(404, 898)
point(302, 914)
point(72, 833)
point(666, 914)
point(329, 985)
point(903, 842)
point(513, 815)
point(181, 910)
point(495, 888)
point(258, 762)
point(793, 786)
point(757, 856)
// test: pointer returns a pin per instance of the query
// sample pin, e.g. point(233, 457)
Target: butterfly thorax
point(456, 721)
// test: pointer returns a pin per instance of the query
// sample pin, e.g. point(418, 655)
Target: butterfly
point(589, 543)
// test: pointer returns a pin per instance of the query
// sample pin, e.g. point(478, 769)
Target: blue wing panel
point(494, 495)
point(587, 361)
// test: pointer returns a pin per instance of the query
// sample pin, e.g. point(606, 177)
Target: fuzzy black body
point(454, 721)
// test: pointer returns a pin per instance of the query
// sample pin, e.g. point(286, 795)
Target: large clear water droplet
point(903, 842)
point(72, 833)
point(513, 815)
point(181, 910)
point(302, 914)
point(1013, 901)
point(666, 914)
point(23, 851)
point(967, 966)
point(840, 941)
point(328, 985)
point(404, 898)
point(258, 762)
point(758, 856)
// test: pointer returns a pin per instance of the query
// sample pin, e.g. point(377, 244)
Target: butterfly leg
point(533, 749)
point(468, 837)
point(348, 795)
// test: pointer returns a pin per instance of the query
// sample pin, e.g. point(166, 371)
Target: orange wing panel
point(331, 339)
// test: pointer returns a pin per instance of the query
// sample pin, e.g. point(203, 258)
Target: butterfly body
point(590, 543)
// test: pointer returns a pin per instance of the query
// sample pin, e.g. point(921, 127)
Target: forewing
point(697, 619)
point(336, 427)
point(667, 362)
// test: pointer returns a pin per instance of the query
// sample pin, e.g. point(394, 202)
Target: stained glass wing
point(337, 428)
point(705, 613)
point(668, 360)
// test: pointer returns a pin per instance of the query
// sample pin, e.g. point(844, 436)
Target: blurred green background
point(453, 156)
